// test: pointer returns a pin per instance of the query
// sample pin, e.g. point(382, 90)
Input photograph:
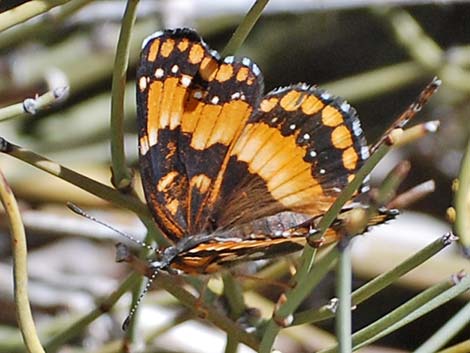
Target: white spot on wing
point(159, 73)
point(246, 61)
point(345, 106)
point(144, 146)
point(215, 100)
point(186, 80)
point(256, 70)
point(153, 137)
point(364, 152)
point(229, 59)
point(356, 125)
point(174, 69)
point(142, 83)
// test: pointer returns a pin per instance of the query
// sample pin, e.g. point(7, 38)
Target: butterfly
point(231, 174)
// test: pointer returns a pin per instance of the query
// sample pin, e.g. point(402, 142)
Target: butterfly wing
point(191, 106)
point(298, 150)
point(296, 153)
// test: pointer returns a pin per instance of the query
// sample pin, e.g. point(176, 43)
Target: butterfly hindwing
point(296, 153)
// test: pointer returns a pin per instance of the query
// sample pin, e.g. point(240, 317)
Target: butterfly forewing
point(191, 107)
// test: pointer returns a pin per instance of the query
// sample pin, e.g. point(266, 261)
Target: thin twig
point(20, 269)
point(245, 27)
point(380, 282)
point(209, 312)
point(27, 31)
point(422, 48)
point(92, 186)
point(343, 292)
point(462, 204)
point(452, 327)
point(122, 177)
point(413, 309)
point(31, 106)
point(78, 326)
point(26, 11)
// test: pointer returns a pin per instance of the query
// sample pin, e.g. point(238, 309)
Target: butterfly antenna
point(134, 308)
point(74, 208)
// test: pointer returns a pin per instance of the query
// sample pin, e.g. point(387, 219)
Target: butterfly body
point(230, 174)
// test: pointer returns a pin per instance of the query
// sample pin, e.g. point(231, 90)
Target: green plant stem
point(283, 315)
point(77, 327)
point(446, 332)
point(231, 346)
point(422, 48)
point(390, 184)
point(20, 268)
point(374, 83)
point(122, 177)
point(418, 306)
point(218, 319)
point(380, 282)
point(462, 347)
point(27, 31)
point(24, 12)
point(244, 28)
point(92, 186)
point(234, 295)
point(462, 204)
point(131, 329)
point(343, 292)
point(31, 105)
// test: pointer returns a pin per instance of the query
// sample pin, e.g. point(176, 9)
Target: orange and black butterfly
point(230, 174)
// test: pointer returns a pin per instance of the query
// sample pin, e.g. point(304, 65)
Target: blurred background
point(376, 57)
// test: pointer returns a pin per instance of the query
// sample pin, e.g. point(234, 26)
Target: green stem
point(122, 177)
point(283, 316)
point(413, 309)
point(32, 105)
point(380, 282)
point(377, 82)
point(92, 186)
point(20, 269)
point(244, 28)
point(24, 12)
point(343, 292)
point(218, 319)
point(16, 35)
point(234, 295)
point(77, 327)
point(462, 347)
point(231, 345)
point(446, 332)
point(462, 204)
point(422, 48)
